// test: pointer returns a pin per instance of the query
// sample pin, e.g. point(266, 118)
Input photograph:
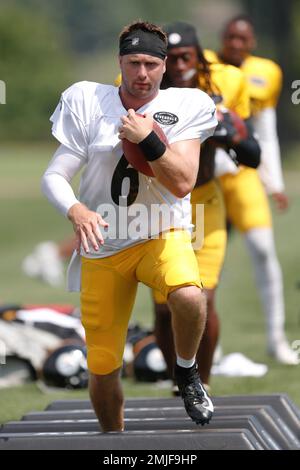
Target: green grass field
point(27, 218)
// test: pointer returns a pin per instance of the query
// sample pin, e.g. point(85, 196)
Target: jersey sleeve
point(275, 86)
point(269, 93)
point(265, 82)
point(197, 118)
point(70, 120)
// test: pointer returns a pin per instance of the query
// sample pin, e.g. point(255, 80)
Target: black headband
point(181, 35)
point(143, 42)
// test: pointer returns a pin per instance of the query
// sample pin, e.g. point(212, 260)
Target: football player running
point(132, 246)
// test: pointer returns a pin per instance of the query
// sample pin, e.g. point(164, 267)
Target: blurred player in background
point(252, 215)
point(188, 68)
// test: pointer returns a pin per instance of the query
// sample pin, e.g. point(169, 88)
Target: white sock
point(186, 363)
point(261, 245)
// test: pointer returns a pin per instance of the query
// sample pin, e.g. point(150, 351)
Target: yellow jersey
point(230, 84)
point(264, 78)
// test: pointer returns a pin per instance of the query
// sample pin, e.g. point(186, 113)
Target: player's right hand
point(281, 201)
point(86, 227)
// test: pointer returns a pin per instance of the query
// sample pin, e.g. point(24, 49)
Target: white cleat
point(45, 263)
point(283, 353)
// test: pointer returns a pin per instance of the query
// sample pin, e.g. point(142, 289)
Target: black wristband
point(152, 147)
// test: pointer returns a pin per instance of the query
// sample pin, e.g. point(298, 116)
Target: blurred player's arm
point(248, 151)
point(242, 151)
point(270, 170)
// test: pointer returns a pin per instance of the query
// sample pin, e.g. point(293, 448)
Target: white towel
point(238, 365)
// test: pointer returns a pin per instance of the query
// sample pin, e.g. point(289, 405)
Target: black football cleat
point(197, 403)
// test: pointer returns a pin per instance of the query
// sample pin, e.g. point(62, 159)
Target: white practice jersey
point(87, 120)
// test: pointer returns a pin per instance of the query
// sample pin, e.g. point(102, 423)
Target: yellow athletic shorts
point(246, 202)
point(108, 289)
point(210, 256)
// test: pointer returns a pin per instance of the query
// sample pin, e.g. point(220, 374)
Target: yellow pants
point(246, 202)
point(210, 256)
point(109, 287)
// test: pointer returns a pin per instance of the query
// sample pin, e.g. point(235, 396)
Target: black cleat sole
point(202, 422)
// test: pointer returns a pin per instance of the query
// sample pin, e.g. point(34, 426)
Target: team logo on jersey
point(258, 81)
point(165, 118)
point(135, 41)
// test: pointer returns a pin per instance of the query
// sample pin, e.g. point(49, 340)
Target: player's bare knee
point(190, 294)
point(189, 300)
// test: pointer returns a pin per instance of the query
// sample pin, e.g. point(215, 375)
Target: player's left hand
point(281, 200)
point(135, 127)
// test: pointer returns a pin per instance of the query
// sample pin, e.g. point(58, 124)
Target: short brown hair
point(144, 26)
